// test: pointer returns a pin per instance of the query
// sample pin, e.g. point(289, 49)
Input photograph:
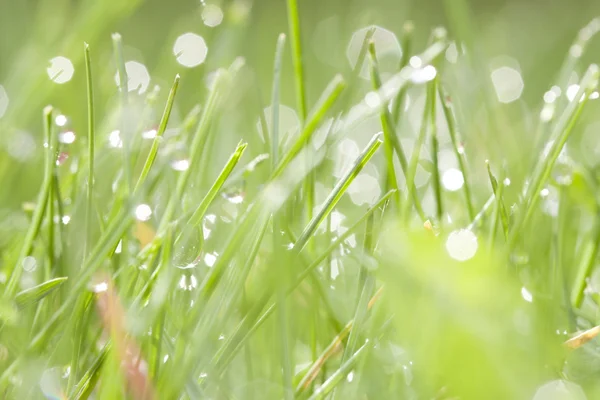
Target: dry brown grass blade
point(582, 338)
point(130, 355)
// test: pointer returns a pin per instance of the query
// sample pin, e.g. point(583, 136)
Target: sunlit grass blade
point(560, 135)
point(338, 191)
point(389, 133)
point(91, 148)
point(457, 147)
point(198, 215)
point(586, 263)
point(87, 383)
point(329, 97)
point(232, 346)
point(496, 188)
point(36, 293)
point(297, 58)
point(322, 391)
point(38, 213)
point(107, 243)
point(162, 126)
point(406, 46)
point(329, 351)
point(275, 101)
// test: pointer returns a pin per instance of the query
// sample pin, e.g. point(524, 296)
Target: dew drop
point(114, 139)
point(423, 75)
point(100, 287)
point(234, 198)
point(60, 120)
point(143, 212)
point(180, 165)
point(526, 294)
point(67, 137)
point(210, 259)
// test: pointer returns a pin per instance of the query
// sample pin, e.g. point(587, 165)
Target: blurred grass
point(102, 298)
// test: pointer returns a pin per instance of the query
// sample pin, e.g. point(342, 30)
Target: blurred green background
point(537, 34)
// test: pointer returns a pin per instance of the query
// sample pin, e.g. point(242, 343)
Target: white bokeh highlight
point(138, 78)
point(190, 50)
point(462, 244)
point(60, 70)
point(508, 84)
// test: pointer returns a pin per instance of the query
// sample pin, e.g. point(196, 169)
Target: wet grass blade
point(457, 147)
point(338, 191)
point(435, 148)
point(159, 133)
point(91, 151)
point(297, 59)
point(560, 135)
point(322, 391)
point(389, 133)
point(497, 189)
point(275, 101)
point(196, 218)
point(37, 293)
point(38, 213)
point(87, 383)
point(327, 100)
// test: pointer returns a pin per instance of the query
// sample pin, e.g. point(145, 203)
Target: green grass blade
point(338, 191)
point(322, 391)
point(159, 133)
point(586, 264)
point(297, 59)
point(329, 97)
point(91, 144)
point(560, 135)
point(437, 184)
point(275, 101)
point(407, 40)
point(497, 189)
point(389, 133)
point(196, 218)
point(38, 213)
point(87, 383)
point(37, 293)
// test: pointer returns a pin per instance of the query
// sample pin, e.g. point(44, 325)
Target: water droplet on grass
point(114, 139)
point(210, 259)
point(188, 282)
point(149, 134)
point(462, 244)
point(180, 165)
point(190, 50)
point(143, 212)
point(234, 197)
point(526, 294)
point(66, 219)
point(67, 137)
point(423, 75)
point(99, 287)
point(60, 120)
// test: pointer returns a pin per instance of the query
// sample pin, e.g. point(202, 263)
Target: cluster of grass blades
point(167, 283)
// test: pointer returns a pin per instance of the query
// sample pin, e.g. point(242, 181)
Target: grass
point(292, 267)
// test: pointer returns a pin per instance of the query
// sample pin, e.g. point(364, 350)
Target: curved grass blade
point(240, 337)
point(196, 218)
point(87, 383)
point(36, 293)
point(159, 133)
point(322, 391)
point(497, 189)
point(560, 135)
point(329, 96)
point(38, 213)
point(456, 146)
